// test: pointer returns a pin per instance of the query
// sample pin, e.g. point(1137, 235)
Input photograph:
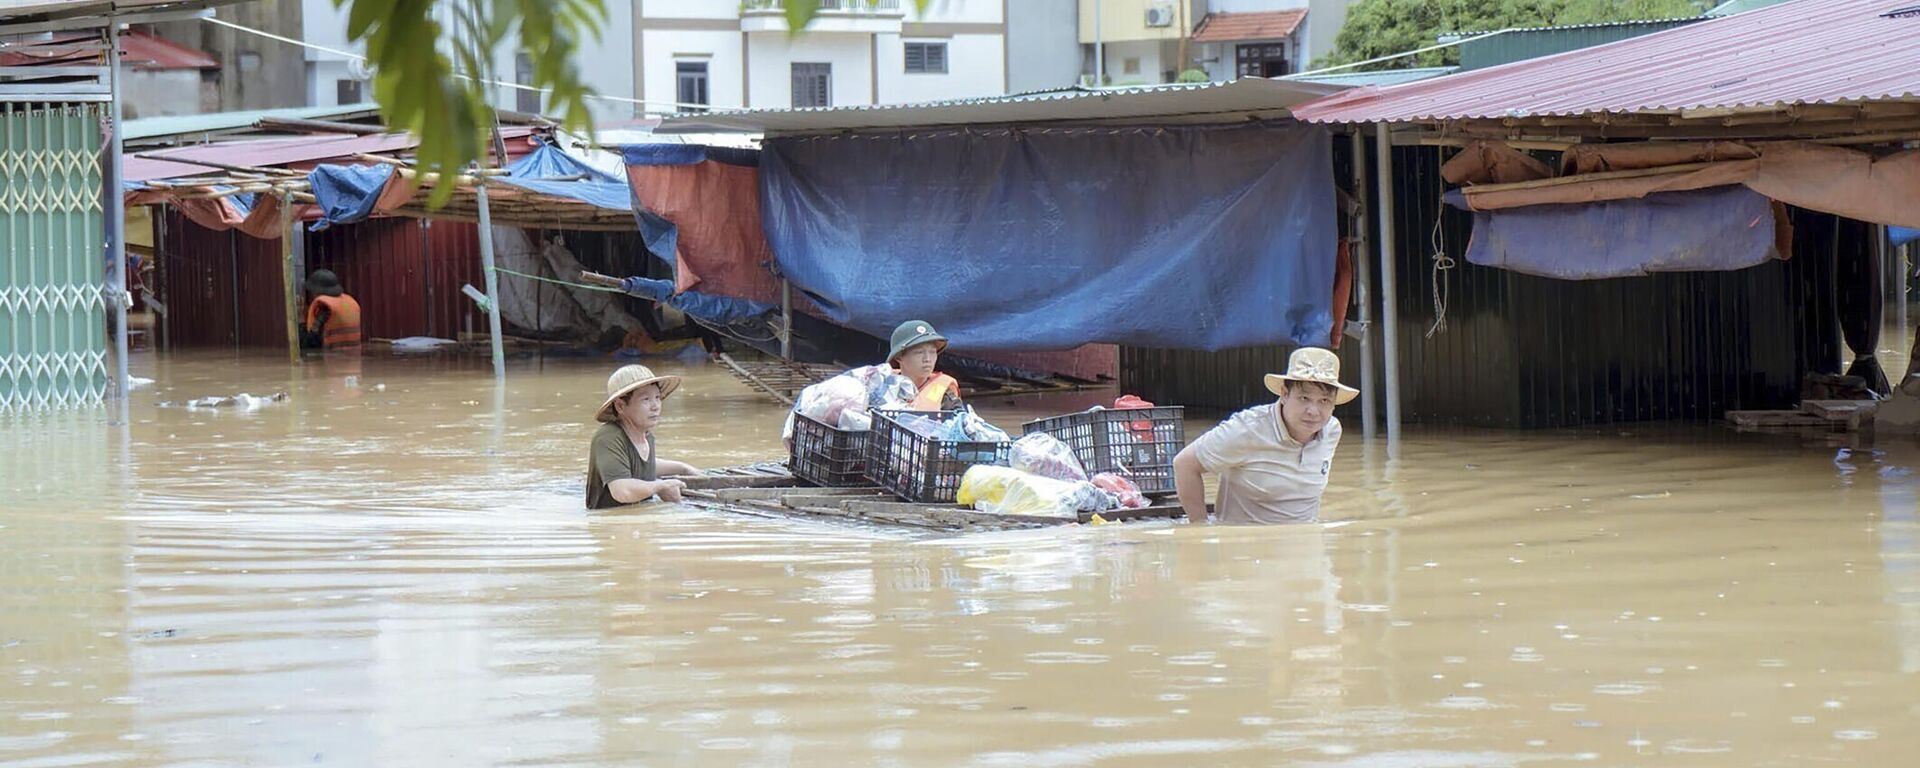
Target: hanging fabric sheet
point(1717, 229)
point(699, 210)
point(1196, 237)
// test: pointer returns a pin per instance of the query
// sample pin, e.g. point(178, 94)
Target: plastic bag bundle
point(844, 401)
point(1008, 491)
point(1044, 455)
point(1123, 491)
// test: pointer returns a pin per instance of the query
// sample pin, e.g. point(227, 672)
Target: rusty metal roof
point(1258, 25)
point(1801, 52)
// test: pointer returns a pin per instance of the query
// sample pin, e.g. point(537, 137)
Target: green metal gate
point(53, 336)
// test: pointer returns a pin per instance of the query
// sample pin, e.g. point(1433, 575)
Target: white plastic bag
point(1044, 455)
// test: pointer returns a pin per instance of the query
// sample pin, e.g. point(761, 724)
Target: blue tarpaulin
point(713, 310)
point(686, 154)
point(1716, 229)
point(1193, 237)
point(346, 193)
point(549, 170)
point(1902, 235)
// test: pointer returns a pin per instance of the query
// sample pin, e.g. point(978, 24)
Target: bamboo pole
point(292, 296)
point(493, 284)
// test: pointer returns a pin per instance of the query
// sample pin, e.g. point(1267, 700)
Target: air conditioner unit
point(358, 69)
point(1160, 16)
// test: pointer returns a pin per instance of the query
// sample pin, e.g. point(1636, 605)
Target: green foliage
point(1378, 28)
point(1192, 76)
point(432, 81)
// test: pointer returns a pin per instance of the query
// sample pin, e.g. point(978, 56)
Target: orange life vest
point(343, 321)
point(934, 392)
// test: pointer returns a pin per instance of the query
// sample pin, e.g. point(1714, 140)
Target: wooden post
point(1389, 313)
point(786, 319)
point(288, 279)
point(1363, 285)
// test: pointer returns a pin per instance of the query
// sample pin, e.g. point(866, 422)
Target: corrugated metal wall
point(1524, 352)
point(223, 288)
point(405, 273)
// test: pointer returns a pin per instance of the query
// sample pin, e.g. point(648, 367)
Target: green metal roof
point(1731, 7)
point(225, 122)
point(1377, 77)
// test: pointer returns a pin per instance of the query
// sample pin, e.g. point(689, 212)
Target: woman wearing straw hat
point(623, 466)
point(1272, 459)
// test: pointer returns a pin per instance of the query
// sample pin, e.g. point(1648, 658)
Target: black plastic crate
point(1136, 443)
point(924, 469)
point(822, 455)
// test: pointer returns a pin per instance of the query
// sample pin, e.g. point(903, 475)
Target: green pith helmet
point(913, 333)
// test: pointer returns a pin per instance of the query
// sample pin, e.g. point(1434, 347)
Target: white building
point(729, 54)
point(1153, 41)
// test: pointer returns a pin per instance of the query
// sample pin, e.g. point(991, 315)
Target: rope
point(1441, 264)
point(582, 286)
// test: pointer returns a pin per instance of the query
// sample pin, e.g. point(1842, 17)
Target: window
point(812, 85)
point(523, 99)
point(1260, 60)
point(1130, 66)
point(927, 58)
point(346, 92)
point(692, 79)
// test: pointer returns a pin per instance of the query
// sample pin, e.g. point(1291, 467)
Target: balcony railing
point(834, 6)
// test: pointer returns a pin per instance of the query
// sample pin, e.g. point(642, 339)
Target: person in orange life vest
point(333, 318)
point(916, 350)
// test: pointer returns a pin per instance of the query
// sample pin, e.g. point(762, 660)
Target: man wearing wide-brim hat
point(624, 465)
point(1272, 459)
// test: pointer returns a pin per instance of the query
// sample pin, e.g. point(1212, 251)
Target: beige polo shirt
point(1265, 475)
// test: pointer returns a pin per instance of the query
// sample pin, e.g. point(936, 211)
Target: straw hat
point(1316, 365)
point(628, 379)
point(913, 333)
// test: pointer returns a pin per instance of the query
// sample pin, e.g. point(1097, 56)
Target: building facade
point(725, 54)
point(1154, 41)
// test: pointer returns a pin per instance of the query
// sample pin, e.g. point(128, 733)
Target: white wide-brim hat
point(1313, 364)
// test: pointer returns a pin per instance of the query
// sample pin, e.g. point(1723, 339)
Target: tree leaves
point(1377, 28)
point(432, 80)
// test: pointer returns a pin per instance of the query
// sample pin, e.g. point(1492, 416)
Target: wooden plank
point(1156, 512)
point(754, 381)
point(825, 497)
point(1776, 419)
point(776, 492)
point(716, 482)
point(945, 515)
point(1838, 410)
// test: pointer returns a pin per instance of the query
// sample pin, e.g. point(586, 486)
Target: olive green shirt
point(613, 457)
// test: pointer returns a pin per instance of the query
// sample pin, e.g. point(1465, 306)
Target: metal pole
point(1362, 285)
point(492, 280)
point(786, 319)
point(116, 215)
point(1389, 314)
point(1099, 50)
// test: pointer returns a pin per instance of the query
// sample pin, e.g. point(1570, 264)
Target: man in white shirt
point(1272, 459)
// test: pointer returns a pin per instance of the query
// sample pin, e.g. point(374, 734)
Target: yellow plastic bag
point(1008, 491)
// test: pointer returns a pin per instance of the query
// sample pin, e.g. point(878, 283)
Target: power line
point(677, 106)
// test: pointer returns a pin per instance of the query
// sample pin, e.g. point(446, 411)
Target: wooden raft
point(782, 496)
point(1825, 415)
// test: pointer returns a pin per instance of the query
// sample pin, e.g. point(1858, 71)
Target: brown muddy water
point(397, 573)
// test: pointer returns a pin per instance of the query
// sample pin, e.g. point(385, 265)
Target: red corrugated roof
point(1801, 52)
point(1261, 25)
point(301, 153)
point(145, 51)
point(138, 50)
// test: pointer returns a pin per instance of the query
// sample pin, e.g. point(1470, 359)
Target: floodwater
point(395, 572)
